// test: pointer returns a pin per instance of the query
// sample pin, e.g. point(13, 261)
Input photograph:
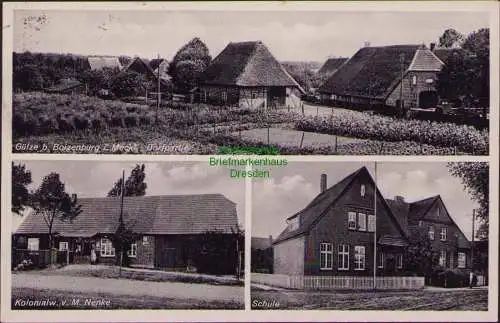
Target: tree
point(134, 185)
point(475, 178)
point(97, 79)
point(451, 38)
point(419, 255)
point(130, 84)
point(466, 74)
point(51, 202)
point(21, 177)
point(188, 64)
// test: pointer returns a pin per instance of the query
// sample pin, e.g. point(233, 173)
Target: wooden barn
point(393, 76)
point(167, 228)
point(246, 74)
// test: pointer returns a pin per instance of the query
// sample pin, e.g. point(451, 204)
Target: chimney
point(367, 44)
point(323, 183)
point(433, 46)
point(399, 198)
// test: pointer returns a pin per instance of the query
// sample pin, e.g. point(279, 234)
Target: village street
point(93, 285)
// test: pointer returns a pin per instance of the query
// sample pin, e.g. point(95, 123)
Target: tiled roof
point(401, 210)
point(420, 208)
point(168, 214)
point(444, 54)
point(331, 65)
point(389, 240)
point(425, 60)
point(247, 64)
point(371, 72)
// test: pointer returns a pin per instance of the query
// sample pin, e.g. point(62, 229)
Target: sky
point(290, 35)
point(290, 189)
point(95, 179)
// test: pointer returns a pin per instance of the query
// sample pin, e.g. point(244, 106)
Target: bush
point(131, 120)
point(449, 278)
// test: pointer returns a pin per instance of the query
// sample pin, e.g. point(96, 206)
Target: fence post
point(317, 110)
point(336, 143)
point(303, 112)
point(67, 257)
point(301, 140)
point(268, 134)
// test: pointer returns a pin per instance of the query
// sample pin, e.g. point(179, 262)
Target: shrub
point(131, 120)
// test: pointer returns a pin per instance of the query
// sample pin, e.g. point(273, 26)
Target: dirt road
point(130, 287)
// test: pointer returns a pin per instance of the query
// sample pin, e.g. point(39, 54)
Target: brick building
point(334, 234)
point(166, 227)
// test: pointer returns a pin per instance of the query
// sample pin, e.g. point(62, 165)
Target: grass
point(149, 275)
point(460, 300)
point(58, 298)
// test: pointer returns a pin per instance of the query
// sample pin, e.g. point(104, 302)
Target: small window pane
point(362, 222)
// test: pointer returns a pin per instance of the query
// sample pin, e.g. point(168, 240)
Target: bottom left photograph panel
point(126, 235)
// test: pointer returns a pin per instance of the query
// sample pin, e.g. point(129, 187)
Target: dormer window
point(363, 190)
point(293, 224)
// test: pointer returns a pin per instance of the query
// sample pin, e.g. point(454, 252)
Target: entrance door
point(276, 96)
point(427, 99)
point(390, 263)
point(167, 258)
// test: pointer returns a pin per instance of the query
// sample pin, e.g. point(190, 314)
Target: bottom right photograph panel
point(371, 236)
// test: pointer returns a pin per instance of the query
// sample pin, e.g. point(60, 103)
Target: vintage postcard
point(250, 161)
point(328, 82)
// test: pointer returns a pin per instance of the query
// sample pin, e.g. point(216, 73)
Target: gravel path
point(130, 287)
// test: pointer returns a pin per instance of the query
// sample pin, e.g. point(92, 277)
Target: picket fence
point(337, 282)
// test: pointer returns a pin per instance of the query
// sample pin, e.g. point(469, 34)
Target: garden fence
point(338, 282)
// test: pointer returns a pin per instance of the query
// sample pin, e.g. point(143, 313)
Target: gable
point(344, 192)
point(425, 60)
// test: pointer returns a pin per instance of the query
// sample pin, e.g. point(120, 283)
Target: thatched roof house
point(247, 74)
point(331, 65)
point(101, 62)
point(374, 75)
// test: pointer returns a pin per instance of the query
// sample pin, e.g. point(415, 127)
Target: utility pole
point(120, 225)
point(375, 231)
point(402, 61)
point(158, 89)
point(472, 252)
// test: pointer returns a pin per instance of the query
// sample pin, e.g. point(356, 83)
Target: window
point(359, 258)
point(33, 243)
point(420, 223)
point(352, 220)
point(224, 96)
point(443, 233)
point(371, 223)
point(414, 80)
point(343, 257)
point(431, 232)
point(461, 260)
point(205, 95)
point(293, 224)
point(442, 258)
point(326, 256)
point(63, 245)
point(132, 252)
point(380, 260)
point(399, 261)
point(107, 249)
point(362, 222)
point(254, 95)
point(145, 240)
point(363, 190)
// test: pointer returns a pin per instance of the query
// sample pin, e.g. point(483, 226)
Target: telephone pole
point(472, 252)
point(401, 105)
point(375, 231)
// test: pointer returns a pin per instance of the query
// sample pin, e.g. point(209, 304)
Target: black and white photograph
point(371, 236)
point(118, 235)
point(208, 81)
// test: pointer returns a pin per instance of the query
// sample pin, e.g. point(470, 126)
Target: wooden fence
point(337, 282)
point(40, 258)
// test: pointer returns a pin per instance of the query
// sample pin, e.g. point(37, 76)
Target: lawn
point(458, 300)
point(145, 275)
point(72, 300)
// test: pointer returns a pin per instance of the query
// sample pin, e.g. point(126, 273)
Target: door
point(427, 99)
point(167, 258)
point(390, 263)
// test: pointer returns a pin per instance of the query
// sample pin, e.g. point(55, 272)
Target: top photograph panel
point(259, 82)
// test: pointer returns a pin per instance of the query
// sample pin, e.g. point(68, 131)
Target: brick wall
point(411, 91)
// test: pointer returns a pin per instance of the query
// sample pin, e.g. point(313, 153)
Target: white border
point(247, 315)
